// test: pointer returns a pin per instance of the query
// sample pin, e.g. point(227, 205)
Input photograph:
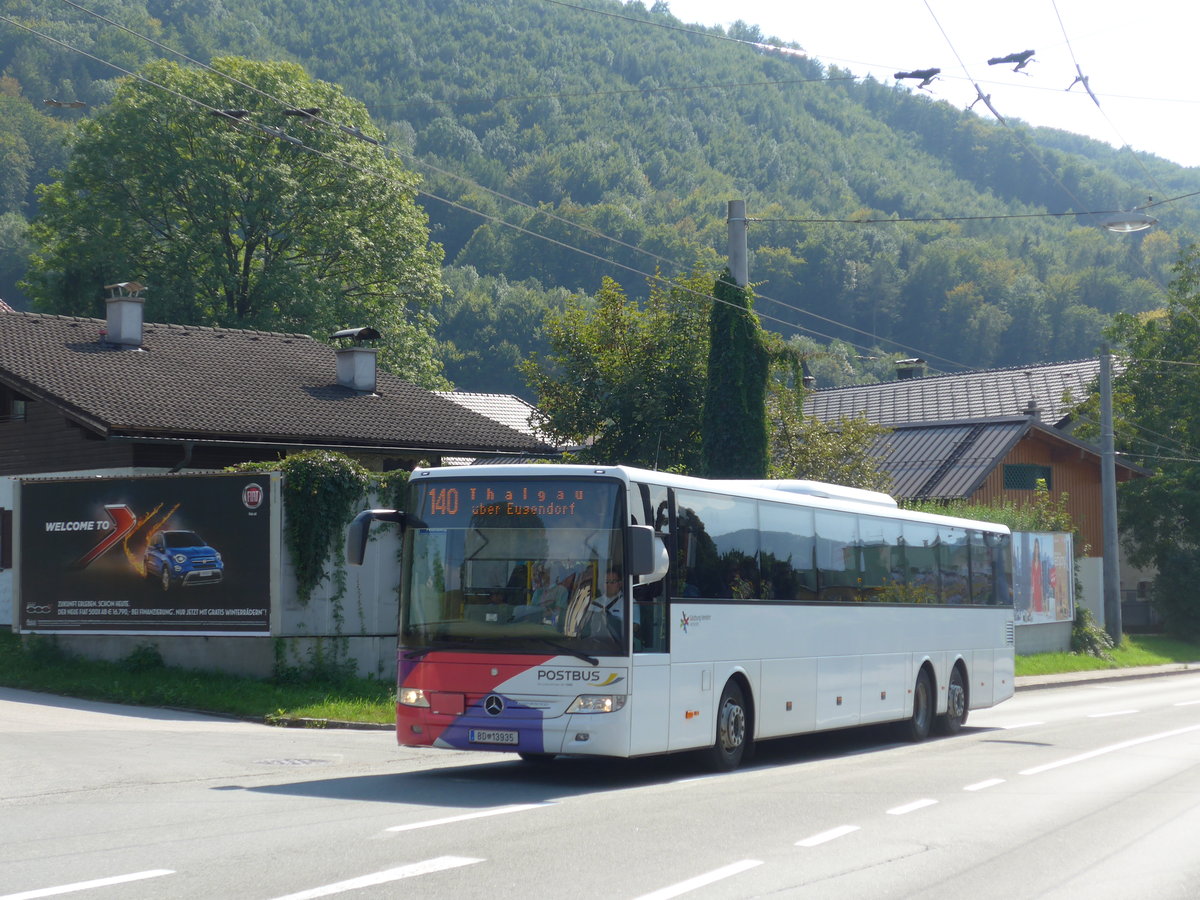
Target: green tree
point(804, 446)
point(735, 414)
point(624, 381)
point(488, 325)
point(1159, 425)
point(267, 219)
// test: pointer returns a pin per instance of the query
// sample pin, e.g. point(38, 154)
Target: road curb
point(301, 722)
point(1098, 676)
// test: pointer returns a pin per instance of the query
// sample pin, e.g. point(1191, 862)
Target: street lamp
point(1127, 222)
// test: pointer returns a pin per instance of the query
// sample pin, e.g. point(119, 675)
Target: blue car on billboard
point(182, 559)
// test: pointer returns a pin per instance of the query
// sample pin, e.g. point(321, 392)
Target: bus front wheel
point(733, 735)
point(916, 727)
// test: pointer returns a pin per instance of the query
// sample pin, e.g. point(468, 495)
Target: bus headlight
point(597, 703)
point(412, 697)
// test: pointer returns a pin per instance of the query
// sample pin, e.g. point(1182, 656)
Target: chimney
point(356, 363)
point(1032, 410)
point(909, 368)
point(125, 305)
point(806, 377)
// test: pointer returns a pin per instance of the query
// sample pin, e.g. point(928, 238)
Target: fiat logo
point(493, 705)
point(252, 496)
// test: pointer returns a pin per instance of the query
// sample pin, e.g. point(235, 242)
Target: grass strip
point(40, 665)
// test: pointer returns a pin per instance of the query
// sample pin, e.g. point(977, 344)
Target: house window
point(1025, 476)
point(12, 406)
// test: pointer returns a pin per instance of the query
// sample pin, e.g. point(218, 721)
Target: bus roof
point(816, 494)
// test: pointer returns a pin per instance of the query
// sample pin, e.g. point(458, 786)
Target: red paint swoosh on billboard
point(123, 521)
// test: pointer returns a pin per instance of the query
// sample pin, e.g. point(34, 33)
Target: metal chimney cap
point(125, 288)
point(365, 333)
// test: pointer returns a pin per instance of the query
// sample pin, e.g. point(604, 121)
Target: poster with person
point(1043, 577)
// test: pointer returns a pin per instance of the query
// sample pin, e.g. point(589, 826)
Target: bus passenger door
point(650, 693)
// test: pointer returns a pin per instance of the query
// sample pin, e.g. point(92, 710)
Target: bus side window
point(788, 545)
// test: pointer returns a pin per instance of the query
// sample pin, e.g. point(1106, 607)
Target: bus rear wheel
point(956, 704)
point(733, 736)
point(916, 727)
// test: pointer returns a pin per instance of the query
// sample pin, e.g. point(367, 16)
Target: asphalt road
point(1082, 790)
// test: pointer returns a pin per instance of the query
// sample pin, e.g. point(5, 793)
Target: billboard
point(1043, 577)
point(155, 555)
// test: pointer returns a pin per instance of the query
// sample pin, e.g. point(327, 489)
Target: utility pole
point(739, 263)
point(1108, 496)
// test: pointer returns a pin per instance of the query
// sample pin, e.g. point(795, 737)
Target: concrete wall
point(1090, 581)
point(1050, 637)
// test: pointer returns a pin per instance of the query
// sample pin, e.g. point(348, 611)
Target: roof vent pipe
point(125, 307)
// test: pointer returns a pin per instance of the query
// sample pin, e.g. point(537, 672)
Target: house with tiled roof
point(984, 436)
point(988, 436)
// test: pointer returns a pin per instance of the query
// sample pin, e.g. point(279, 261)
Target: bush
point(143, 658)
point(1088, 638)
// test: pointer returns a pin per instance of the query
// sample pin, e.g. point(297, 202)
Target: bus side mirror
point(647, 554)
point(356, 534)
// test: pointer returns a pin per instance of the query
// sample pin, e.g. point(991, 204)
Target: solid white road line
point(1112, 748)
point(910, 807)
point(439, 864)
point(683, 887)
point(831, 835)
point(1119, 712)
point(984, 785)
point(88, 885)
point(483, 814)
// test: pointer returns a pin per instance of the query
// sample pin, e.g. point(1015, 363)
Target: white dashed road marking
point(825, 836)
point(498, 811)
point(438, 864)
point(683, 887)
point(88, 885)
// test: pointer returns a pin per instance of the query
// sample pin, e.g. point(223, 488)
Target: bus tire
point(733, 738)
point(916, 727)
point(957, 704)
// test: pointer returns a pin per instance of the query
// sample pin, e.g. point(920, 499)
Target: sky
point(1138, 55)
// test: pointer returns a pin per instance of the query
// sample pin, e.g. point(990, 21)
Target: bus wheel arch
point(734, 733)
point(958, 701)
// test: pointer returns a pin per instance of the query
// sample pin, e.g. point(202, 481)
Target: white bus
point(611, 611)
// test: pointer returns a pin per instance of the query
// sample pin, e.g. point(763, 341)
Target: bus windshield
point(515, 566)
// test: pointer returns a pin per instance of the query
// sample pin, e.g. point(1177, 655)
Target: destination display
point(475, 503)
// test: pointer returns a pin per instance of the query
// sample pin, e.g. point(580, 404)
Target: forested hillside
point(563, 142)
